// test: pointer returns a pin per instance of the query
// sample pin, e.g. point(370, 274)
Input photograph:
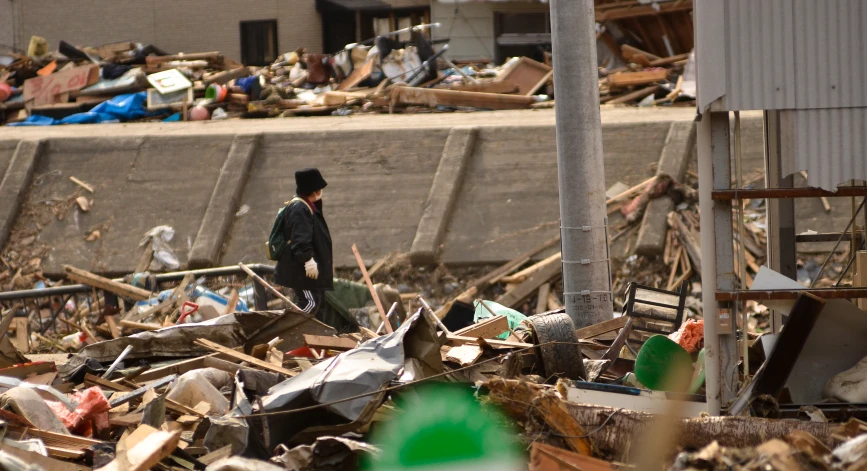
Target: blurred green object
point(663, 365)
point(444, 427)
point(698, 375)
point(513, 317)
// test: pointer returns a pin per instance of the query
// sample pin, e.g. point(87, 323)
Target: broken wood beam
point(120, 289)
point(632, 79)
point(487, 328)
point(546, 273)
point(147, 453)
point(436, 97)
point(373, 294)
point(329, 343)
point(243, 357)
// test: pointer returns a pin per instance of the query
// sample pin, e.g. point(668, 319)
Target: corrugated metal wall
point(781, 54)
point(830, 144)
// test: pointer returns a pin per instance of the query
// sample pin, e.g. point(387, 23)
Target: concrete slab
point(377, 185)
point(15, 180)
point(139, 183)
point(510, 199)
point(444, 191)
point(678, 152)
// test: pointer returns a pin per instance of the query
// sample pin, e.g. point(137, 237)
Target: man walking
point(306, 264)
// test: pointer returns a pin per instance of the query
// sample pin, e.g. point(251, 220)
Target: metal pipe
point(174, 276)
point(123, 354)
point(713, 371)
point(580, 164)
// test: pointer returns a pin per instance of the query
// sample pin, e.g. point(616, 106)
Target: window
point(259, 42)
point(522, 34)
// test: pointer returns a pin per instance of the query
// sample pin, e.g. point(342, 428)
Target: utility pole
point(583, 219)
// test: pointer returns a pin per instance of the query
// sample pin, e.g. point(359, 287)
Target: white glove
point(312, 269)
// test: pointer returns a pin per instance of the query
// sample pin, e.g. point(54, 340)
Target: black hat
point(308, 180)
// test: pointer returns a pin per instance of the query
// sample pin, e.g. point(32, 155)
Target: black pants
point(309, 300)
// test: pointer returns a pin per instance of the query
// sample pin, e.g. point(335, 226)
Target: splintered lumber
point(633, 54)
point(549, 458)
point(693, 249)
point(436, 97)
point(242, 357)
point(121, 289)
point(373, 294)
point(112, 327)
point(147, 453)
point(57, 440)
point(329, 343)
point(458, 340)
point(487, 329)
point(550, 270)
point(600, 328)
point(617, 437)
point(483, 282)
point(631, 79)
point(542, 298)
point(522, 275)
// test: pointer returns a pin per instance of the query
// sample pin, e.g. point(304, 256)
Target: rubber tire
point(558, 360)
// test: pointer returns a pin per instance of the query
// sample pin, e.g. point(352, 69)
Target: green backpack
point(277, 243)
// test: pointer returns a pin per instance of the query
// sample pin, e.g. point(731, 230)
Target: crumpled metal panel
point(780, 54)
point(363, 370)
point(830, 144)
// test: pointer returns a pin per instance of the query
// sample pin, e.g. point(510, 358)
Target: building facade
point(254, 30)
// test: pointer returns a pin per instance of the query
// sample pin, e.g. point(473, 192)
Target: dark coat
point(309, 238)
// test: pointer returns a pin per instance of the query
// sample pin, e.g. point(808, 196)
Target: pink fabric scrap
point(92, 405)
point(690, 335)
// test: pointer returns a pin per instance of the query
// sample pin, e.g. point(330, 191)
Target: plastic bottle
point(74, 340)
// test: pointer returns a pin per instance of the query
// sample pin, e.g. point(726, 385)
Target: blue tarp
point(118, 109)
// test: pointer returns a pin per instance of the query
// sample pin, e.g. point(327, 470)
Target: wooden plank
point(464, 355)
point(382, 314)
point(178, 368)
point(80, 183)
point(60, 440)
point(601, 328)
point(22, 334)
point(542, 298)
point(117, 401)
point(636, 95)
point(357, 76)
point(458, 340)
point(140, 326)
point(631, 79)
point(121, 289)
point(112, 326)
point(330, 343)
point(527, 74)
point(522, 275)
point(436, 97)
point(94, 380)
point(43, 462)
point(217, 454)
point(146, 454)
point(240, 356)
point(548, 458)
point(525, 289)
point(128, 420)
point(487, 328)
point(270, 288)
point(497, 86)
point(542, 81)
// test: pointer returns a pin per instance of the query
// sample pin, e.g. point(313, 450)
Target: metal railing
point(60, 308)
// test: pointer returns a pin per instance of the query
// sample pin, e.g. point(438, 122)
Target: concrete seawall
point(494, 196)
